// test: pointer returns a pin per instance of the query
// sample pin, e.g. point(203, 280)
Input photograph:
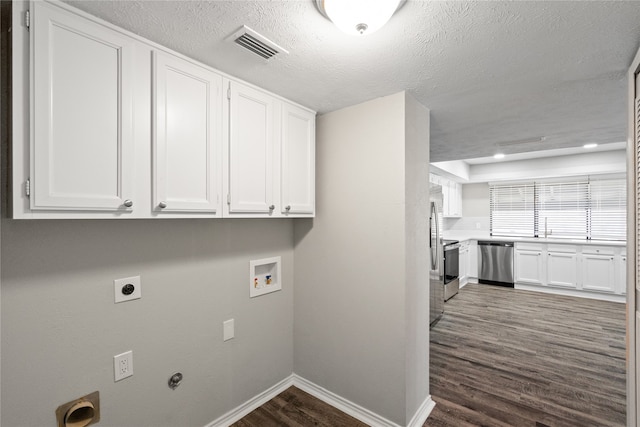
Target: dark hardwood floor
point(502, 357)
point(294, 407)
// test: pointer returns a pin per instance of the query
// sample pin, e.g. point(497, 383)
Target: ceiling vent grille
point(256, 43)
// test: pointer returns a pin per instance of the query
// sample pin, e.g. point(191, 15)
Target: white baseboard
point(572, 293)
point(422, 413)
point(251, 404)
point(356, 411)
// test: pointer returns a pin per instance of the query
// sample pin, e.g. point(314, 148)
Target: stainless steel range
point(451, 250)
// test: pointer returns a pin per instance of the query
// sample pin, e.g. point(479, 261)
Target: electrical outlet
point(127, 289)
point(123, 365)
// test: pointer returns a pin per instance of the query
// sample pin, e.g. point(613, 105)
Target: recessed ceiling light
point(498, 156)
point(593, 145)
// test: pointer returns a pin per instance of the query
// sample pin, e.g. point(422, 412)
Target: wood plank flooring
point(294, 407)
point(504, 357)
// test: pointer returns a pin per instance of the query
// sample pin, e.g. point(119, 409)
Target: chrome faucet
point(549, 232)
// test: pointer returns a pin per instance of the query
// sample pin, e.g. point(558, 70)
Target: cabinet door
point(464, 265)
point(82, 130)
point(622, 274)
point(188, 135)
point(562, 270)
point(251, 146)
point(298, 160)
point(446, 197)
point(455, 204)
point(529, 267)
point(473, 259)
point(598, 273)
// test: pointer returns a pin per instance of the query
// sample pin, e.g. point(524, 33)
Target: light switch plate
point(121, 293)
point(228, 331)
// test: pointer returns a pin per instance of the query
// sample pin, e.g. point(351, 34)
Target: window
point(608, 209)
point(563, 209)
point(585, 209)
point(512, 210)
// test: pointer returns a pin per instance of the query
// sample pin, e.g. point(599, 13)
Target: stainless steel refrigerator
point(436, 253)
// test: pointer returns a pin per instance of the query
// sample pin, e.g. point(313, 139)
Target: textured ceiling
point(491, 72)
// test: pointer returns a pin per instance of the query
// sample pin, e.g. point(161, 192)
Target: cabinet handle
point(162, 205)
point(128, 203)
point(272, 207)
point(288, 208)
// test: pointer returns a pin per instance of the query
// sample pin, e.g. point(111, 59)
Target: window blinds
point(563, 209)
point(608, 209)
point(586, 209)
point(512, 210)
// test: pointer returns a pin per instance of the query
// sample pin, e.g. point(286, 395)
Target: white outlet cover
point(123, 365)
point(118, 284)
point(228, 329)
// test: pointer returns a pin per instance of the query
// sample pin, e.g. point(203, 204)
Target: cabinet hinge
point(27, 187)
point(27, 20)
point(229, 199)
point(229, 92)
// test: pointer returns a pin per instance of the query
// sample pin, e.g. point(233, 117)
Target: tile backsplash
point(476, 223)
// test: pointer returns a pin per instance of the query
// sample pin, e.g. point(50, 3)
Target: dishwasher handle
point(485, 243)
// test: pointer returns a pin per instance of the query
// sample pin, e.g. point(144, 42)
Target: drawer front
point(598, 250)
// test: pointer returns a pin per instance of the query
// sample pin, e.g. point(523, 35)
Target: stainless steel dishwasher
point(496, 263)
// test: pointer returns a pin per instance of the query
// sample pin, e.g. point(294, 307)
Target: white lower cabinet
point(598, 272)
point(473, 259)
point(529, 266)
point(464, 263)
point(621, 277)
point(576, 268)
point(562, 269)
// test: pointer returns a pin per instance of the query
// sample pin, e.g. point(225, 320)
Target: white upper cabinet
point(298, 160)
point(82, 130)
point(251, 150)
point(106, 124)
point(187, 143)
point(451, 195)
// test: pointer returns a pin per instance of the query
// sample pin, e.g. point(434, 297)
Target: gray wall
point(475, 200)
point(356, 266)
point(61, 328)
point(417, 126)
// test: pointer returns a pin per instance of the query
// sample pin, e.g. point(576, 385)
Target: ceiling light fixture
point(498, 156)
point(358, 17)
point(592, 145)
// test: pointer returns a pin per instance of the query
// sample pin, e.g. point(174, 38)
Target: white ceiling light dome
point(358, 17)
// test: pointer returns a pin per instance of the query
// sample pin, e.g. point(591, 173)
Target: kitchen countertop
point(484, 235)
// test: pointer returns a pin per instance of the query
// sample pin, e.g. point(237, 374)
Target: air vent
point(256, 43)
point(521, 141)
